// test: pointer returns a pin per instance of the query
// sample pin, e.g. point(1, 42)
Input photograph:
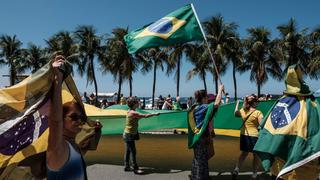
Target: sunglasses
point(76, 117)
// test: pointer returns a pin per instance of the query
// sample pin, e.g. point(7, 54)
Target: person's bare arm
point(260, 118)
point(57, 151)
point(236, 110)
point(138, 115)
point(219, 95)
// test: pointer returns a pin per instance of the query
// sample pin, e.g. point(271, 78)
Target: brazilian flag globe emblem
point(162, 28)
point(179, 26)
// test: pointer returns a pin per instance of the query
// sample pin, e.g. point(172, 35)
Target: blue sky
point(36, 20)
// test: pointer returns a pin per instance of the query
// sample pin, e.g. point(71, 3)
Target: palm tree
point(11, 54)
point(219, 35)
point(199, 57)
point(235, 55)
point(35, 57)
point(118, 61)
point(63, 43)
point(174, 61)
point(89, 47)
point(153, 58)
point(314, 64)
point(259, 57)
point(293, 44)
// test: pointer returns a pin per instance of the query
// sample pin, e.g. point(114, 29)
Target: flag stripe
point(10, 123)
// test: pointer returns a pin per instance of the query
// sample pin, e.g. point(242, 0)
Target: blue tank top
point(73, 169)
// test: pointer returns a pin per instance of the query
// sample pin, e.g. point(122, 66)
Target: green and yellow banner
point(177, 27)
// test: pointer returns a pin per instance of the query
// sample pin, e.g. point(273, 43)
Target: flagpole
point(205, 39)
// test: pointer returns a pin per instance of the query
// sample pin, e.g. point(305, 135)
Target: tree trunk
point(216, 82)
point(119, 88)
point(204, 82)
point(234, 81)
point(154, 81)
point(259, 89)
point(130, 86)
point(94, 80)
point(178, 77)
point(13, 75)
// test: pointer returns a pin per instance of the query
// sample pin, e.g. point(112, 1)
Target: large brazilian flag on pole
point(177, 27)
point(291, 131)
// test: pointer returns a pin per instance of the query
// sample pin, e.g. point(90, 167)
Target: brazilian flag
point(24, 114)
point(195, 133)
point(177, 27)
point(291, 130)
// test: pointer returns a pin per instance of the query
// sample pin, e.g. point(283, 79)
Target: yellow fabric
point(296, 127)
point(131, 125)
point(227, 132)
point(192, 122)
point(224, 132)
point(250, 127)
point(94, 111)
point(305, 172)
point(21, 173)
point(19, 98)
point(294, 82)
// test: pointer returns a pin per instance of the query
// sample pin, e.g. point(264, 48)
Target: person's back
point(131, 126)
point(251, 124)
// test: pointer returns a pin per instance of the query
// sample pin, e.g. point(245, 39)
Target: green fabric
point(152, 35)
point(194, 137)
point(292, 148)
point(168, 119)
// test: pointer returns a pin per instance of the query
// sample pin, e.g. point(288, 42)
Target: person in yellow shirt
point(131, 134)
point(249, 132)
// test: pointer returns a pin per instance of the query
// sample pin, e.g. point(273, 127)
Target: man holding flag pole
point(182, 26)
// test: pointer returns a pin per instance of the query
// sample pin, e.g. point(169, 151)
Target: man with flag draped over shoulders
point(289, 140)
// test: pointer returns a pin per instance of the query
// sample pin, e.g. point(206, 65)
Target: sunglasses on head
point(76, 117)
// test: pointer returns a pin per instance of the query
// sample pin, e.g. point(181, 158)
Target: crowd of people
point(64, 156)
point(161, 103)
